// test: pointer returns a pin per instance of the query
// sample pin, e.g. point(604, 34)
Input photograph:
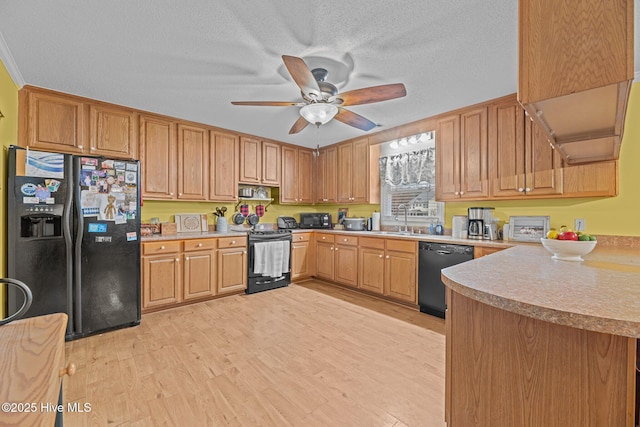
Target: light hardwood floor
point(306, 355)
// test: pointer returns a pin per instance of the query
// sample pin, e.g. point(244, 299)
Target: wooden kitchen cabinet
point(232, 264)
point(161, 274)
point(200, 260)
point(346, 261)
point(462, 156)
point(389, 267)
point(113, 132)
point(297, 167)
point(158, 157)
point(324, 256)
point(260, 162)
point(193, 162)
point(354, 184)
point(302, 256)
point(592, 180)
point(523, 163)
point(223, 158)
point(51, 121)
point(271, 163)
point(480, 251)
point(327, 175)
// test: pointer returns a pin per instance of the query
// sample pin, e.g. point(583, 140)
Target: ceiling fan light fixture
point(318, 113)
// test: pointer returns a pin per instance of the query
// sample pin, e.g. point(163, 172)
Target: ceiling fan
point(322, 102)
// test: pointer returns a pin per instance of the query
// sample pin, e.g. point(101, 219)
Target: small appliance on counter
point(315, 220)
point(287, 222)
point(477, 218)
point(354, 224)
point(459, 227)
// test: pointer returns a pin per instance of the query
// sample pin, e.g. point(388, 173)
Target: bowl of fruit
point(568, 245)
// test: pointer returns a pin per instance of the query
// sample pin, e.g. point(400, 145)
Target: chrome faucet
point(406, 228)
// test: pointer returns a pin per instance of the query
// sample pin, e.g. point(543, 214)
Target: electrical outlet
point(580, 224)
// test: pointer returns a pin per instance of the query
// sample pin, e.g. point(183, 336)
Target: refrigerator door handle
point(78, 247)
point(66, 231)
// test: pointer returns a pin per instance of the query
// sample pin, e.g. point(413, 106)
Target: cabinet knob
point(171, 194)
point(331, 248)
point(69, 370)
point(162, 248)
point(379, 256)
point(186, 258)
point(177, 259)
point(81, 147)
point(457, 193)
point(244, 252)
point(92, 149)
point(199, 245)
point(300, 238)
point(387, 257)
point(336, 248)
point(461, 193)
point(345, 240)
point(179, 194)
point(520, 189)
point(527, 189)
point(323, 237)
point(233, 242)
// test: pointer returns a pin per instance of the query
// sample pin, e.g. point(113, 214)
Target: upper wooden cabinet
point(158, 154)
point(461, 156)
point(51, 121)
point(575, 72)
point(326, 182)
point(522, 161)
point(260, 162)
point(592, 180)
point(297, 175)
point(112, 132)
point(223, 184)
point(68, 124)
point(193, 162)
point(359, 180)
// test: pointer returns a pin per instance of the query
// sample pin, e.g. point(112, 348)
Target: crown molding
point(10, 64)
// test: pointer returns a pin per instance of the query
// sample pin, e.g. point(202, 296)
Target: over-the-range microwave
point(315, 220)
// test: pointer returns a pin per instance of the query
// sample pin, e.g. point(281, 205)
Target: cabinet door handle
point(69, 370)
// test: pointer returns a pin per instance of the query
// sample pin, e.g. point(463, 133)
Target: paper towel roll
point(376, 221)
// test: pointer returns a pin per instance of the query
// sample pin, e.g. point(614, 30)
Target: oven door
point(258, 282)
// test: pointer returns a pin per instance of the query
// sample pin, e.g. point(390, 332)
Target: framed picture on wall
point(342, 214)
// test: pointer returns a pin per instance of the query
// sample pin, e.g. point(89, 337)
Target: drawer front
point(232, 242)
point(324, 237)
point(301, 237)
point(402, 246)
point(371, 242)
point(199, 244)
point(159, 248)
point(346, 240)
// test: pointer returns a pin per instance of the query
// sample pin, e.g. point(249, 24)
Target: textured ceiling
point(190, 59)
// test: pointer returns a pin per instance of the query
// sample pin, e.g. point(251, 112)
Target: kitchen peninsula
point(532, 341)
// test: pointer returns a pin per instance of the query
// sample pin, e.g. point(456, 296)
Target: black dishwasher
point(433, 258)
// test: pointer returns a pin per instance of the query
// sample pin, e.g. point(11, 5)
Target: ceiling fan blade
point(302, 75)
point(352, 119)
point(372, 94)
point(270, 103)
point(300, 124)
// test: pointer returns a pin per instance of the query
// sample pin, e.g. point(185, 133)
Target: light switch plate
point(580, 224)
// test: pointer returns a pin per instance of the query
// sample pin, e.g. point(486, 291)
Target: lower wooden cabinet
point(179, 271)
point(389, 267)
point(232, 264)
point(337, 258)
point(480, 251)
point(346, 264)
point(302, 256)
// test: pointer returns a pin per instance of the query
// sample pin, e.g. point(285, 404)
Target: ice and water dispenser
point(38, 222)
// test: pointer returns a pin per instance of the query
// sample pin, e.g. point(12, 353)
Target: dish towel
point(271, 259)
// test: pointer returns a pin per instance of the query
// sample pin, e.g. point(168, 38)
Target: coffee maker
point(477, 218)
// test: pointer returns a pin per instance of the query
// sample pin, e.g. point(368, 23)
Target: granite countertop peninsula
point(601, 293)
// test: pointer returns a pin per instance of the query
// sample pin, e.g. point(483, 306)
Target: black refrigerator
point(73, 230)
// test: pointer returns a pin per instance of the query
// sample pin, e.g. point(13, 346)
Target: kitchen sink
point(398, 233)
